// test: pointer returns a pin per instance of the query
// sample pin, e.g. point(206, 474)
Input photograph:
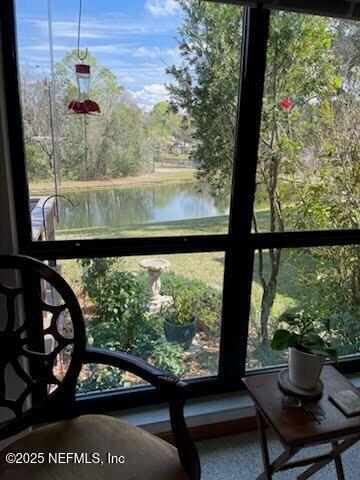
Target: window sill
point(209, 416)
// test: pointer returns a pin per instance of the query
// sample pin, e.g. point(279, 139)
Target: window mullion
point(239, 256)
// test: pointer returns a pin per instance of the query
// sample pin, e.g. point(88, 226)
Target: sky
point(136, 39)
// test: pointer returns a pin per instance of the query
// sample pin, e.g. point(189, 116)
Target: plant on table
point(302, 333)
point(308, 349)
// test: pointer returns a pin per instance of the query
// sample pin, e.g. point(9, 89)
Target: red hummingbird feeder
point(84, 105)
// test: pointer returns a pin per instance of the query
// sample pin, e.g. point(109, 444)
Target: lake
point(119, 207)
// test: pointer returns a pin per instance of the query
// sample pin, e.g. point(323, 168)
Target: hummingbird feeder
point(84, 105)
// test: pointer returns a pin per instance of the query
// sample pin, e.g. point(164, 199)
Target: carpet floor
point(238, 457)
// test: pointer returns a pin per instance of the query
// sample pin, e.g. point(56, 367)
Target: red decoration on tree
point(287, 104)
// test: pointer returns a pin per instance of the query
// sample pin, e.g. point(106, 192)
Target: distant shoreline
point(163, 176)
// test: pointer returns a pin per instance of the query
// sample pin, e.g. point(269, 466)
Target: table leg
point(338, 463)
point(337, 450)
point(264, 448)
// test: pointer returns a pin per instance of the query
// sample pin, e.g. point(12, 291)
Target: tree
point(301, 75)
point(207, 83)
point(36, 123)
point(133, 150)
point(86, 138)
point(330, 198)
point(169, 128)
point(116, 143)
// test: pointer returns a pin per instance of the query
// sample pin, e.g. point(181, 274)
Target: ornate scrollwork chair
point(43, 395)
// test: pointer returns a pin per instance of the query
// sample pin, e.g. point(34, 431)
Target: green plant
point(146, 340)
point(208, 360)
point(168, 357)
point(120, 303)
point(182, 311)
point(302, 334)
point(202, 301)
point(107, 335)
point(100, 378)
point(94, 276)
point(345, 330)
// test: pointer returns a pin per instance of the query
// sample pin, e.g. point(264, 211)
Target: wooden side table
point(297, 428)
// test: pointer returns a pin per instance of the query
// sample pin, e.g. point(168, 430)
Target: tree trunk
point(267, 302)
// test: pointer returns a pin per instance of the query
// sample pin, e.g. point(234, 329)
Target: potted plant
point(179, 319)
point(307, 349)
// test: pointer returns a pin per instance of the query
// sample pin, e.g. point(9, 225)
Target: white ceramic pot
point(304, 368)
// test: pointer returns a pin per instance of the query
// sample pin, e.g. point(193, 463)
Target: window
point(319, 282)
point(170, 317)
point(307, 181)
point(269, 101)
point(308, 168)
point(140, 167)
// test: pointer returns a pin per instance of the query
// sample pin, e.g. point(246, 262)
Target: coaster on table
point(290, 389)
point(347, 401)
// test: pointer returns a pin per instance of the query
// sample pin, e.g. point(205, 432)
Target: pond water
point(139, 205)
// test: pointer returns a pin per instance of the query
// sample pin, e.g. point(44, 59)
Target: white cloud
point(68, 29)
point(155, 52)
point(127, 79)
point(98, 29)
point(115, 48)
point(148, 96)
point(111, 48)
point(44, 47)
point(162, 8)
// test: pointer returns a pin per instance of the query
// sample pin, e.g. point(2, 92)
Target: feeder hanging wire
point(80, 57)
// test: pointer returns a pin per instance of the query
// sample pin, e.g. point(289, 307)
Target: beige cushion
point(146, 457)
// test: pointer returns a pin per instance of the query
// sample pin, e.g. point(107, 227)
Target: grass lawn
point(294, 285)
point(207, 267)
point(201, 226)
point(45, 187)
point(175, 156)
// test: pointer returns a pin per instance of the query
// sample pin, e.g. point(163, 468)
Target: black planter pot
point(182, 334)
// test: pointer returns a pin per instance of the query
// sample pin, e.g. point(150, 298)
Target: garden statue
point(154, 267)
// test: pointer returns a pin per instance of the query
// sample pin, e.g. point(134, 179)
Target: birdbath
point(154, 267)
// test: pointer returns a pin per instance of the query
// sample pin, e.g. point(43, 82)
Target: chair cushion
point(146, 457)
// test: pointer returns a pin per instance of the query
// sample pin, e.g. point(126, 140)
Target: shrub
point(120, 304)
point(168, 357)
point(345, 332)
point(205, 301)
point(208, 360)
point(144, 344)
point(101, 378)
point(122, 320)
point(107, 335)
point(94, 276)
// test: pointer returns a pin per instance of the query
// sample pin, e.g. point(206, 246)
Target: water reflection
point(139, 205)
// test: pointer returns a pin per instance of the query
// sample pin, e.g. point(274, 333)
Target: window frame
point(239, 244)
